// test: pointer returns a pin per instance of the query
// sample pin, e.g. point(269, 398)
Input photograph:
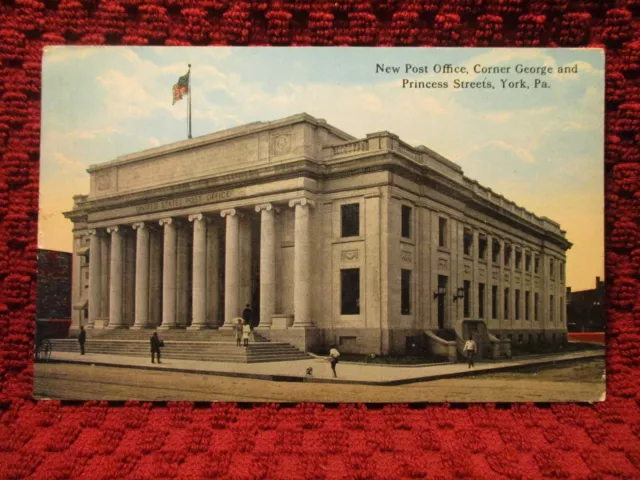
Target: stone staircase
point(200, 345)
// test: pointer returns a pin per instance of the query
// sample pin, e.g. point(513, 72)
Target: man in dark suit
point(82, 338)
point(247, 314)
point(156, 343)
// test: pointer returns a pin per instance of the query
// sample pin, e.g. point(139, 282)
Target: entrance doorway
point(255, 270)
point(442, 286)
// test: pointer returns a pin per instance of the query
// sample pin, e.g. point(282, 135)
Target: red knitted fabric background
point(98, 440)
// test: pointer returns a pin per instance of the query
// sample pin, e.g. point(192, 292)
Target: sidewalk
point(348, 373)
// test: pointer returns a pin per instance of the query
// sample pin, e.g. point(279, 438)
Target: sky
point(542, 148)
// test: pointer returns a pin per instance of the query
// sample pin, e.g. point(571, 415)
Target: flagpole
point(189, 104)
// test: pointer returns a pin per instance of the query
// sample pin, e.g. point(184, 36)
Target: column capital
point(197, 217)
point(302, 202)
point(92, 231)
point(229, 212)
point(265, 206)
point(166, 221)
point(112, 229)
point(140, 225)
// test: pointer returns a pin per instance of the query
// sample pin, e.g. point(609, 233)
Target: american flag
point(181, 88)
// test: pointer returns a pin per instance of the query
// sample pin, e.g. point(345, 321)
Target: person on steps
point(246, 331)
point(156, 343)
point(82, 338)
point(238, 328)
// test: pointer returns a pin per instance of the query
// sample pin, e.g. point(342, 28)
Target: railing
point(351, 147)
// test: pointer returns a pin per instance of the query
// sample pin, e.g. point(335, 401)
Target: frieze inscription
point(183, 202)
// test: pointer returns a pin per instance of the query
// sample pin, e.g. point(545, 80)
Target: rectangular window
point(347, 341)
point(482, 248)
point(494, 301)
point(442, 232)
point(536, 264)
point(405, 287)
point(517, 304)
point(518, 259)
point(507, 255)
point(406, 221)
point(551, 309)
point(350, 291)
point(481, 300)
point(562, 271)
point(467, 299)
point(467, 241)
point(527, 262)
point(350, 220)
point(551, 269)
point(506, 303)
point(536, 301)
point(495, 252)
point(527, 303)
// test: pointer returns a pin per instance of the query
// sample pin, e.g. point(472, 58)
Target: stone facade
point(366, 243)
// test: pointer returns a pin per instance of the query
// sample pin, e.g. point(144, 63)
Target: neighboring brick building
point(585, 309)
point(53, 299)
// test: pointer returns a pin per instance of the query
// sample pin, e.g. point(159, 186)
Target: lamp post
point(459, 294)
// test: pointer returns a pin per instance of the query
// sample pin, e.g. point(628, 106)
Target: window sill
point(348, 239)
point(444, 249)
point(408, 241)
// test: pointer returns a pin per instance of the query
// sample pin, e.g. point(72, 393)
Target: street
point(579, 381)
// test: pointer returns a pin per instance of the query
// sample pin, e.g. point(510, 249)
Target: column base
point(303, 325)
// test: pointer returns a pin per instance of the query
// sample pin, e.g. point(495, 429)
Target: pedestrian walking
point(238, 328)
point(333, 359)
point(246, 331)
point(156, 344)
point(470, 349)
point(82, 338)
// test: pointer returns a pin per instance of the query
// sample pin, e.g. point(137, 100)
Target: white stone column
point(169, 274)
point(199, 272)
point(95, 259)
point(302, 263)
point(231, 267)
point(115, 286)
point(142, 276)
point(267, 264)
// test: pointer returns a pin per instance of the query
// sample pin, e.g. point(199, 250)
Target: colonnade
point(199, 289)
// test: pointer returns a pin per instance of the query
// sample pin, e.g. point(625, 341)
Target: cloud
point(66, 162)
point(520, 153)
point(92, 134)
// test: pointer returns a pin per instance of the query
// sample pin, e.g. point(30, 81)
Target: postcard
point(321, 225)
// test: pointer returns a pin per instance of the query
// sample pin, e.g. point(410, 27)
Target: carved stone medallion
point(349, 255)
